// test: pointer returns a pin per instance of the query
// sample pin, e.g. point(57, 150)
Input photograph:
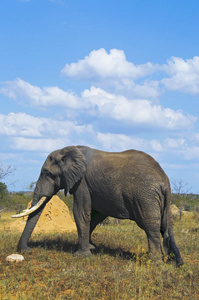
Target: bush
point(16, 202)
point(188, 201)
point(3, 195)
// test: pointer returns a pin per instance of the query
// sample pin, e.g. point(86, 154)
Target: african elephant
point(125, 185)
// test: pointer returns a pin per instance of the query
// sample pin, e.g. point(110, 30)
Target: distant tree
point(180, 187)
point(3, 194)
point(3, 190)
point(5, 171)
point(32, 185)
point(30, 189)
point(17, 202)
point(181, 196)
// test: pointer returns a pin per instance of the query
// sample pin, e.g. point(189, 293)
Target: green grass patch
point(118, 269)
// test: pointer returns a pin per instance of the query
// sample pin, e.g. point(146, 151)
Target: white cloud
point(184, 75)
point(172, 166)
point(137, 112)
point(171, 143)
point(43, 145)
point(96, 101)
point(24, 125)
point(196, 136)
point(48, 96)
point(113, 69)
point(7, 156)
point(185, 148)
point(20, 124)
point(41, 134)
point(132, 110)
point(156, 146)
point(120, 142)
point(149, 89)
point(107, 65)
point(191, 153)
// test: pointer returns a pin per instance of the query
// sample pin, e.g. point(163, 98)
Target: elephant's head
point(63, 169)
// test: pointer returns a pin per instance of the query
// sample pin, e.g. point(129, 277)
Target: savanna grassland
point(119, 268)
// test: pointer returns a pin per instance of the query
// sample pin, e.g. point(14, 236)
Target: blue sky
point(112, 75)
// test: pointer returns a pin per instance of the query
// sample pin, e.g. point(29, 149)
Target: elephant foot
point(83, 253)
point(25, 249)
point(156, 259)
point(179, 262)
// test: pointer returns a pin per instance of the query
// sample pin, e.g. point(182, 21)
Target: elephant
point(124, 185)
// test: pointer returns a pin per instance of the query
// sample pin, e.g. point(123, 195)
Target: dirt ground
point(55, 217)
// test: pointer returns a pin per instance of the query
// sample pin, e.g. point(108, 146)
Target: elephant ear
point(73, 166)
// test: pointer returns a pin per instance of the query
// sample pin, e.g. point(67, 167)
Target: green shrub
point(16, 202)
point(3, 195)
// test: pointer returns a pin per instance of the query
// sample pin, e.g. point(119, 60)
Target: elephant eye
point(48, 173)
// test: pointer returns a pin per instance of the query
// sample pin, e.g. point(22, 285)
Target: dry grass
point(119, 268)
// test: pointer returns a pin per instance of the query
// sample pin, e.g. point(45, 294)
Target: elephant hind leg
point(154, 244)
point(171, 247)
point(96, 218)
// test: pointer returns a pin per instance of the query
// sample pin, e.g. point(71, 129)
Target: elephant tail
point(169, 243)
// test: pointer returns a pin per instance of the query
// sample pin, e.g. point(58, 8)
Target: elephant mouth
point(29, 211)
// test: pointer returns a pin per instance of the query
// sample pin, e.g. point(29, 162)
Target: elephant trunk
point(32, 219)
point(30, 225)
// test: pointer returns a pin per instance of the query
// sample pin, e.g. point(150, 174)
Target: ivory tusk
point(28, 211)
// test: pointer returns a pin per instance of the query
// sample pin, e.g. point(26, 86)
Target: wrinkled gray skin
point(125, 185)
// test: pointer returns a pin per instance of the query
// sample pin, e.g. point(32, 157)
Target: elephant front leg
point(83, 237)
point(82, 215)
